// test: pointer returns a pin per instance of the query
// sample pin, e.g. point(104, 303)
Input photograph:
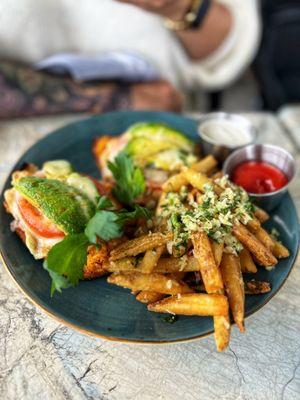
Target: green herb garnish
point(104, 225)
point(66, 260)
point(109, 225)
point(59, 282)
point(130, 181)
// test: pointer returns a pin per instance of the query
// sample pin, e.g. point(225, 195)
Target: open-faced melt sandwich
point(157, 149)
point(51, 203)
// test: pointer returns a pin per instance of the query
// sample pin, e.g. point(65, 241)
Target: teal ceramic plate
point(97, 307)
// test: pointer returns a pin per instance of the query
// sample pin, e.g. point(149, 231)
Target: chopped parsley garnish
point(215, 215)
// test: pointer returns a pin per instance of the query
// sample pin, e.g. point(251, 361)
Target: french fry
point(126, 264)
point(150, 259)
point(175, 183)
point(154, 282)
point(207, 266)
point(222, 331)
point(147, 296)
point(206, 165)
point(165, 265)
point(217, 249)
point(139, 245)
point(233, 281)
point(247, 264)
point(189, 175)
point(196, 179)
point(171, 264)
point(257, 287)
point(261, 215)
point(254, 224)
point(262, 235)
point(192, 304)
point(213, 283)
point(261, 254)
point(279, 250)
point(221, 323)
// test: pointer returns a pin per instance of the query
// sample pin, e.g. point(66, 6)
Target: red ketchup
point(259, 177)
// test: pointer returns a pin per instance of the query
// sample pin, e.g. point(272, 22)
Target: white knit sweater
point(32, 30)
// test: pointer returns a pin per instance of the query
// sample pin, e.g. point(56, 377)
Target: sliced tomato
point(36, 221)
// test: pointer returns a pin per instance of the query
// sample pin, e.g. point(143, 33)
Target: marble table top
point(42, 359)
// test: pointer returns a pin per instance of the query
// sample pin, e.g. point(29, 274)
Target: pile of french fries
point(205, 281)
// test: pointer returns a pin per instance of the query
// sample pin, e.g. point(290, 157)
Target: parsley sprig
point(109, 224)
point(130, 181)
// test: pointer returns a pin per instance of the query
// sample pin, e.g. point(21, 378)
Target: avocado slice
point(63, 171)
point(150, 139)
point(143, 148)
point(172, 160)
point(155, 131)
point(84, 185)
point(64, 205)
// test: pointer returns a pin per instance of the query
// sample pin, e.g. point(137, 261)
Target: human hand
point(155, 95)
point(159, 95)
point(173, 9)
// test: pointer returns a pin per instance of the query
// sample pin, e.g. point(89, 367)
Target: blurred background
point(94, 56)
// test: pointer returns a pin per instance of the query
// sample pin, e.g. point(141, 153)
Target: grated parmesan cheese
point(216, 215)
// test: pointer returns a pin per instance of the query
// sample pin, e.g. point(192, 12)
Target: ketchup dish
point(263, 170)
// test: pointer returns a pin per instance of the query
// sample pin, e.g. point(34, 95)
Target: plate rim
point(88, 332)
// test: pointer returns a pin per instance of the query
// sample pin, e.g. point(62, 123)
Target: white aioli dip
point(225, 132)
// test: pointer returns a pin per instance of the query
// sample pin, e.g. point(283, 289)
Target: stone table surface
point(42, 359)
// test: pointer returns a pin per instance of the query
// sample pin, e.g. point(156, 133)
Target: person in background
point(101, 55)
